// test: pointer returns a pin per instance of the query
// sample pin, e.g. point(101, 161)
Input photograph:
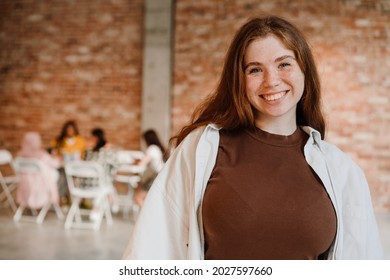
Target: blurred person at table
point(96, 143)
point(100, 150)
point(153, 162)
point(69, 144)
point(36, 190)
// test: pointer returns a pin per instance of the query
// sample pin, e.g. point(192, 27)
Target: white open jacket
point(169, 225)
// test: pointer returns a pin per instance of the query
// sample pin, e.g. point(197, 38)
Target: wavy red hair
point(229, 107)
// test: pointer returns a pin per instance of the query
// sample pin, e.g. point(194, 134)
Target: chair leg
point(78, 216)
point(19, 213)
point(97, 223)
point(107, 213)
point(129, 203)
point(59, 213)
point(71, 214)
point(10, 199)
point(42, 214)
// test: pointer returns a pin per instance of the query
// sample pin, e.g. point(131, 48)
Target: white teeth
point(272, 97)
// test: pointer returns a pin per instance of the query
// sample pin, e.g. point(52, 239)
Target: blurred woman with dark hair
point(99, 150)
point(98, 139)
point(96, 144)
point(153, 161)
point(69, 144)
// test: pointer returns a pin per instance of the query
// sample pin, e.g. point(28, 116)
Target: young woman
point(97, 140)
point(153, 161)
point(100, 150)
point(252, 177)
point(69, 144)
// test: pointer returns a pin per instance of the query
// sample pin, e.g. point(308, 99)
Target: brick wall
point(351, 42)
point(63, 60)
point(82, 60)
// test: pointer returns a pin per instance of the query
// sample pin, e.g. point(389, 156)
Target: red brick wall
point(351, 42)
point(63, 60)
point(83, 60)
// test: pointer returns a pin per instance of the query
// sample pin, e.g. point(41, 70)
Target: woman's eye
point(254, 70)
point(284, 64)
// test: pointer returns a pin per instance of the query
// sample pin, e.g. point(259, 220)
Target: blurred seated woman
point(37, 190)
point(97, 146)
point(69, 144)
point(153, 162)
point(98, 149)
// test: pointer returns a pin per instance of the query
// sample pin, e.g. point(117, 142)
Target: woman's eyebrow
point(283, 57)
point(256, 63)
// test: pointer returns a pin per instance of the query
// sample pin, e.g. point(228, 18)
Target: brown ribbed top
point(263, 201)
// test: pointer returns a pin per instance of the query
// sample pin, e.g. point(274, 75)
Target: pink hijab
point(37, 190)
point(31, 146)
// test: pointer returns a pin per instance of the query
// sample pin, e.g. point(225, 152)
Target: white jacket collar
point(315, 136)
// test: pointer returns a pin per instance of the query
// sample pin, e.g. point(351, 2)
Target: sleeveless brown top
point(263, 201)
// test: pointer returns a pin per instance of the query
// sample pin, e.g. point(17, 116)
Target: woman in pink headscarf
point(37, 190)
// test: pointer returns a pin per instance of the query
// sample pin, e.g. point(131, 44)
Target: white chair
point(127, 176)
point(34, 167)
point(8, 183)
point(86, 181)
point(128, 173)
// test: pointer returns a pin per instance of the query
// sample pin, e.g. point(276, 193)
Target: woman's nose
point(271, 78)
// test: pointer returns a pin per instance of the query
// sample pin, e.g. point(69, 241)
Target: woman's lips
point(274, 96)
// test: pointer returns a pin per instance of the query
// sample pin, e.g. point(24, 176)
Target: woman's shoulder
point(333, 153)
point(195, 135)
point(153, 149)
point(190, 142)
point(338, 158)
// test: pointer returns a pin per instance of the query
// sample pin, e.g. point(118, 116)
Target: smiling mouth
point(274, 96)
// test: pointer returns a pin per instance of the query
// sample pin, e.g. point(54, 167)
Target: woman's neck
point(277, 126)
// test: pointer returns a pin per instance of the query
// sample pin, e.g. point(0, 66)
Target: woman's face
point(274, 81)
point(92, 141)
point(70, 131)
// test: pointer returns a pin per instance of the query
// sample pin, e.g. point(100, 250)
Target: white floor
point(28, 241)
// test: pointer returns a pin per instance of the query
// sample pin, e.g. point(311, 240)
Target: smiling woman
point(252, 177)
point(274, 84)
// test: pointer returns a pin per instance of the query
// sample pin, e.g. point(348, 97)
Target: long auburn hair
point(229, 108)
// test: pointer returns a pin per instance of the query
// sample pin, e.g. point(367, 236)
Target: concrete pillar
point(157, 67)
